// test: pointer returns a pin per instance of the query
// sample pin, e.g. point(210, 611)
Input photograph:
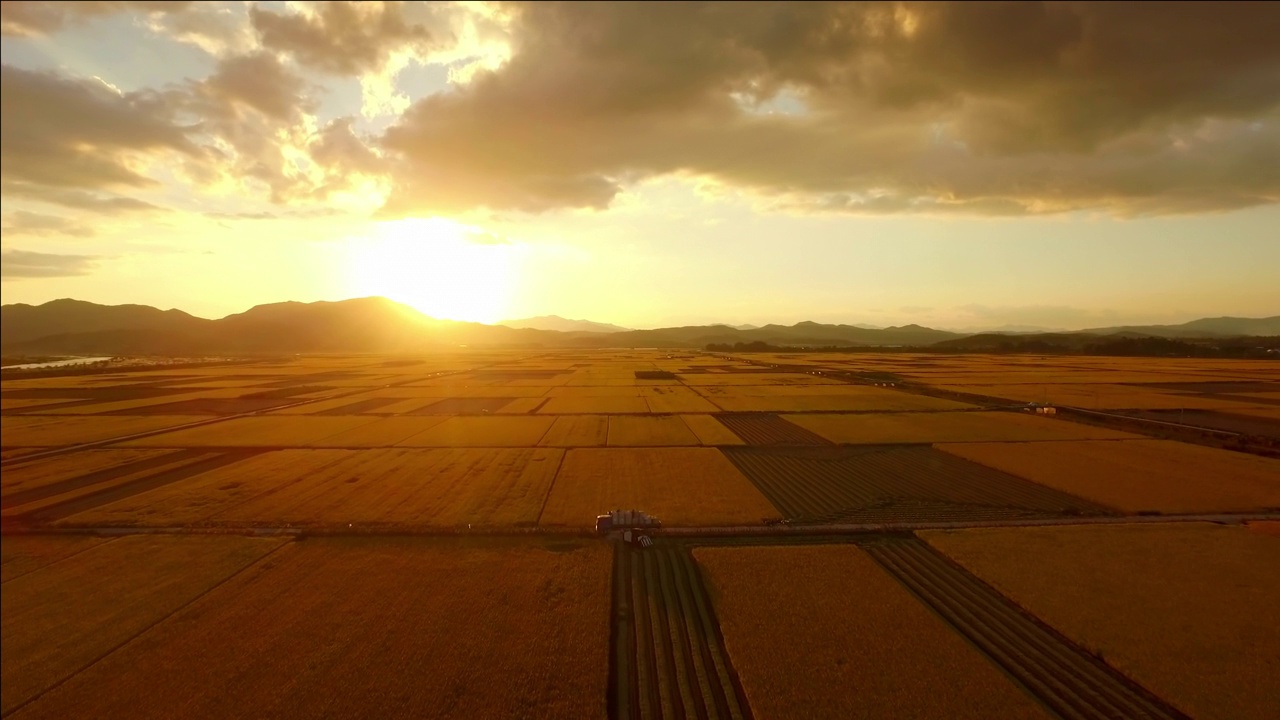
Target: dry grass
point(60, 618)
point(827, 630)
point(711, 431)
point(51, 431)
point(947, 427)
point(52, 470)
point(682, 486)
point(21, 554)
point(486, 431)
point(577, 431)
point(333, 488)
point(649, 431)
point(21, 404)
point(1189, 611)
point(522, 405)
point(1138, 475)
point(373, 628)
point(260, 431)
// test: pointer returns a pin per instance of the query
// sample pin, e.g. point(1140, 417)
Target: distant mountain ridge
point(75, 327)
point(559, 324)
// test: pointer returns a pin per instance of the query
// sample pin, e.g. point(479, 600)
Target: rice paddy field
point(843, 535)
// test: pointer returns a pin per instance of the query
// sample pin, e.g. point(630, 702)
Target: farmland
point(269, 537)
point(1208, 639)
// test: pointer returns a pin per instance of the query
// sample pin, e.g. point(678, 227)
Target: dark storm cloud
point(15, 264)
point(986, 108)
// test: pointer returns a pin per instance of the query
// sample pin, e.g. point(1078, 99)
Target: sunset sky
point(1060, 165)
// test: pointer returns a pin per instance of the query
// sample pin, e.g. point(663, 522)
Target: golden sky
point(959, 165)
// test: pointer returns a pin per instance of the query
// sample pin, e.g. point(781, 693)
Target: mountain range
point(74, 327)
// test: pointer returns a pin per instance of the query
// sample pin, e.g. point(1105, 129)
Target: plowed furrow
point(681, 669)
point(768, 429)
point(1066, 679)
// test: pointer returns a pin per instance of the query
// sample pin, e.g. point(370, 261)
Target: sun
point(443, 268)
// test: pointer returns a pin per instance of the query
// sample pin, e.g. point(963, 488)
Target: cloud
point(344, 38)
point(77, 199)
point(63, 132)
point(16, 264)
point(45, 18)
point(484, 237)
point(23, 222)
point(976, 108)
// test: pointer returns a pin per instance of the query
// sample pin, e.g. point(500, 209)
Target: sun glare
point(443, 268)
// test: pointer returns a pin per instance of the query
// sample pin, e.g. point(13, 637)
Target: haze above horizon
point(951, 165)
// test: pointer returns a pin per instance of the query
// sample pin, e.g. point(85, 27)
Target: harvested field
point(620, 404)
point(649, 431)
point(681, 486)
point(1139, 475)
point(827, 630)
point(1062, 675)
point(40, 473)
point(54, 431)
point(371, 406)
point(390, 648)
point(711, 431)
point(768, 430)
point(1186, 609)
point(62, 617)
point(260, 431)
point(577, 431)
point(441, 488)
point(22, 554)
point(904, 483)
point(493, 431)
point(669, 660)
point(892, 428)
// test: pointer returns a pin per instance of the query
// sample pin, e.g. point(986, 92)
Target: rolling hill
point(74, 327)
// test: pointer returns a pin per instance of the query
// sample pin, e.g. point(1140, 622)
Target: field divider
point(146, 629)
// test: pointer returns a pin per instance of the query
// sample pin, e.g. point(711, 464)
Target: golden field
point(827, 630)
point(1138, 475)
point(1188, 610)
point(335, 628)
point(681, 486)
point(345, 459)
point(63, 616)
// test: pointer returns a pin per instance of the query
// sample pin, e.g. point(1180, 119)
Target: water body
point(57, 363)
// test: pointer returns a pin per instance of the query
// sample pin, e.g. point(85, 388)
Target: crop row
point(670, 661)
